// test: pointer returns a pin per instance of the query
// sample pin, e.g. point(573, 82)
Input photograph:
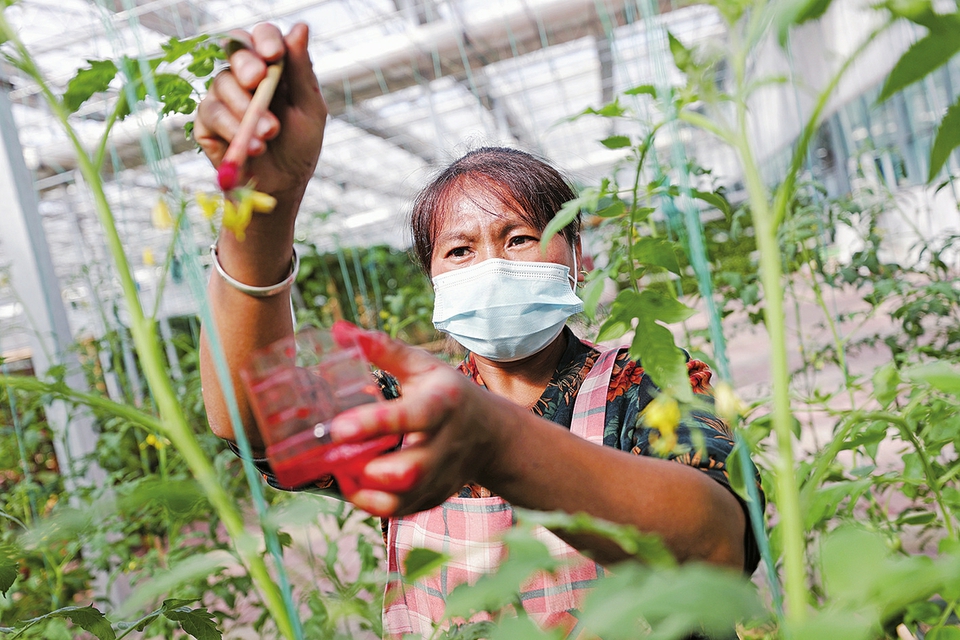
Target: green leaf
point(422, 562)
point(94, 79)
point(682, 57)
point(657, 252)
point(886, 384)
point(644, 89)
point(948, 137)
point(654, 305)
point(649, 549)
point(792, 13)
point(923, 56)
point(175, 48)
point(197, 622)
point(916, 518)
point(525, 556)
point(675, 603)
point(204, 59)
point(175, 93)
point(197, 567)
point(861, 574)
point(943, 633)
point(587, 202)
point(715, 200)
point(611, 110)
point(179, 498)
point(939, 375)
point(735, 469)
point(615, 209)
point(514, 628)
point(665, 363)
point(9, 567)
point(616, 142)
point(591, 294)
point(88, 619)
point(833, 625)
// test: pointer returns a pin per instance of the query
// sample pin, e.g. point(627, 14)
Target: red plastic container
point(296, 386)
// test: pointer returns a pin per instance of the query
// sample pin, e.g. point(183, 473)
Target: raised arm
point(282, 157)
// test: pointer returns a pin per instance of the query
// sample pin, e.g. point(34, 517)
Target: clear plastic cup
point(295, 387)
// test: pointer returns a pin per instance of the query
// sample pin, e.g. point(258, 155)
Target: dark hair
point(519, 180)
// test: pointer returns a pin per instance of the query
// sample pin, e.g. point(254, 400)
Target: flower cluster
point(238, 207)
point(663, 415)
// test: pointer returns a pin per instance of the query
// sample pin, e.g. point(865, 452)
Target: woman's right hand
point(283, 153)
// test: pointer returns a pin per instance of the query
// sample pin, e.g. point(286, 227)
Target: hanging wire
point(157, 151)
point(362, 284)
point(375, 282)
point(698, 260)
point(348, 285)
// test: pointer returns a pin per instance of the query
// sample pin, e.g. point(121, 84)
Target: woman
point(509, 432)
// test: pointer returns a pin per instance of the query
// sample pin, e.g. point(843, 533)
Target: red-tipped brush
point(228, 174)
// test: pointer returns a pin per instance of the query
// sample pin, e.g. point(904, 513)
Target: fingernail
point(264, 126)
point(256, 146)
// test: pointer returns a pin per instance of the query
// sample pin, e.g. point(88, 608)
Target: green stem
point(933, 482)
point(788, 498)
point(173, 422)
point(839, 342)
point(634, 277)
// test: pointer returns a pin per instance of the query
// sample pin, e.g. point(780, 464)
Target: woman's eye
point(519, 240)
point(459, 252)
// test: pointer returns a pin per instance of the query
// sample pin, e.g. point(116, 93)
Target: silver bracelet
point(257, 292)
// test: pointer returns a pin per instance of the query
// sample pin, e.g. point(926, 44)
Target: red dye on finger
point(227, 175)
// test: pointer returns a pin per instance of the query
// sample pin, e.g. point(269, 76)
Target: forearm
point(245, 323)
point(696, 517)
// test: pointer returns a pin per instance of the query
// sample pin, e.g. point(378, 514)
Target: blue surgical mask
point(505, 310)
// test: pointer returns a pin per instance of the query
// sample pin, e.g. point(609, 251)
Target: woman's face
point(479, 227)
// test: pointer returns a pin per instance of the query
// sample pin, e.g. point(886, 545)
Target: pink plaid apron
point(467, 530)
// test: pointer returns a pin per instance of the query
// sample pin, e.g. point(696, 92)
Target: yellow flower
point(148, 259)
point(729, 405)
point(161, 215)
point(237, 215)
point(208, 204)
point(662, 414)
point(262, 202)
point(155, 442)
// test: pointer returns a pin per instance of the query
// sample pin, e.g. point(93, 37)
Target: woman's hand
point(450, 437)
point(284, 150)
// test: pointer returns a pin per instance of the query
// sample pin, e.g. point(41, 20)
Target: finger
point(397, 472)
point(378, 503)
point(302, 85)
point(416, 411)
point(248, 68)
point(268, 42)
point(235, 40)
point(400, 359)
point(213, 128)
point(238, 101)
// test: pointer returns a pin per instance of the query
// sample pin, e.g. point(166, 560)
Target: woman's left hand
point(450, 436)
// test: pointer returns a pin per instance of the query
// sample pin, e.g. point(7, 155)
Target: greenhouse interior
point(765, 189)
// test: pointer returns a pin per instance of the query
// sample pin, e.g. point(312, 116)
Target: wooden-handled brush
point(228, 174)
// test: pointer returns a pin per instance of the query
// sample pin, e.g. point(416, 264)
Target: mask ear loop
point(572, 276)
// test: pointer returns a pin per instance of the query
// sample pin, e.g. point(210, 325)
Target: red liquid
point(298, 460)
